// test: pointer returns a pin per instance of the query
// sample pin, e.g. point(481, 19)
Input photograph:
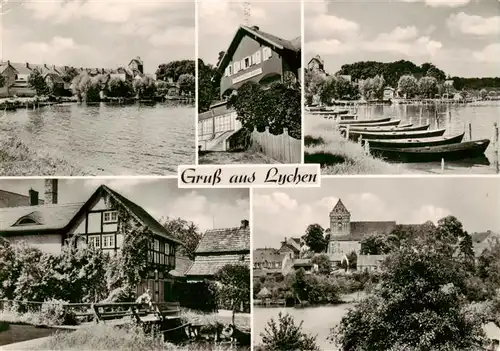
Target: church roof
point(339, 208)
point(361, 229)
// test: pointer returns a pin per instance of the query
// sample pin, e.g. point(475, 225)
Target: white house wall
point(48, 243)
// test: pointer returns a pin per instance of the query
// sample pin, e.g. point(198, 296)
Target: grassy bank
point(242, 157)
point(106, 337)
point(17, 159)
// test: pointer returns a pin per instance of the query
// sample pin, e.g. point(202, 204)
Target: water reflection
point(114, 140)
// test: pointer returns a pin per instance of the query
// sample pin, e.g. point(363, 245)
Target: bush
point(286, 336)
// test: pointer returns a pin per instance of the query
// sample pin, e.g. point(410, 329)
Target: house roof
point(46, 217)
point(182, 265)
point(3, 66)
point(142, 215)
point(278, 43)
point(370, 260)
point(361, 229)
point(10, 199)
point(206, 266)
point(263, 292)
point(339, 208)
point(59, 217)
point(21, 68)
point(268, 255)
point(224, 240)
point(302, 262)
point(316, 58)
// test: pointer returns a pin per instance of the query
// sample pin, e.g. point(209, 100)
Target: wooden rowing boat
point(344, 117)
point(366, 121)
point(405, 143)
point(403, 127)
point(396, 134)
point(450, 152)
point(391, 123)
point(328, 112)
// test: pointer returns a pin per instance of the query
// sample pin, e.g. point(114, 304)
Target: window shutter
point(236, 66)
point(257, 57)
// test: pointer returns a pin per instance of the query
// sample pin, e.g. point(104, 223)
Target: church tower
point(340, 221)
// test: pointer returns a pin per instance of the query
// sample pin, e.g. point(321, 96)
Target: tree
point(119, 88)
point(145, 87)
point(336, 88)
point(314, 82)
point(467, 252)
point(314, 238)
point(407, 85)
point(378, 84)
point(235, 280)
point(186, 232)
point(219, 58)
point(2, 81)
point(488, 267)
point(375, 244)
point(208, 85)
point(323, 262)
point(483, 93)
point(186, 83)
point(424, 289)
point(286, 336)
point(37, 82)
point(69, 74)
point(427, 86)
point(173, 70)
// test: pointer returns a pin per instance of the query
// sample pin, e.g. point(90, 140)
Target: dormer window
point(110, 217)
point(26, 221)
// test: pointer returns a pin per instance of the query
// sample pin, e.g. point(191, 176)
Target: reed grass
point(18, 159)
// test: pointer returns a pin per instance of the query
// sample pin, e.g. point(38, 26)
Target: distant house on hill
point(484, 240)
point(316, 64)
point(389, 93)
point(218, 248)
point(291, 246)
point(370, 263)
point(269, 261)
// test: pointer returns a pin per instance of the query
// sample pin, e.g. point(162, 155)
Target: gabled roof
point(316, 58)
point(21, 68)
point(268, 255)
point(224, 240)
point(279, 44)
point(206, 266)
point(141, 215)
point(182, 265)
point(339, 208)
point(60, 217)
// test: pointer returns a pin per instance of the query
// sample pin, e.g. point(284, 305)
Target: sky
point(218, 21)
point(461, 37)
point(279, 213)
point(207, 208)
point(97, 34)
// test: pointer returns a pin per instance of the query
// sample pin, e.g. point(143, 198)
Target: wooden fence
point(282, 148)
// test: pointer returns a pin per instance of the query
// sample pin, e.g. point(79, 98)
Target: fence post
point(286, 146)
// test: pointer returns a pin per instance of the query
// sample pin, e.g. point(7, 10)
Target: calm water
point(455, 118)
point(317, 321)
point(113, 140)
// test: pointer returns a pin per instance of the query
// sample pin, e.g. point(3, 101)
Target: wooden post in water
point(347, 133)
point(442, 165)
point(470, 131)
point(367, 147)
point(495, 135)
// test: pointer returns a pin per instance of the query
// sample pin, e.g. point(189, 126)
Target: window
point(94, 241)
point(237, 66)
point(266, 53)
point(108, 241)
point(229, 70)
point(247, 62)
point(110, 217)
point(256, 58)
point(25, 221)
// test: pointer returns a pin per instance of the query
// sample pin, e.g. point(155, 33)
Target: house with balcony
point(252, 56)
point(100, 222)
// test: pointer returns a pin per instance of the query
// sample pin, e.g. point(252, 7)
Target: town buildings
point(59, 77)
point(218, 248)
point(102, 221)
point(252, 56)
point(316, 64)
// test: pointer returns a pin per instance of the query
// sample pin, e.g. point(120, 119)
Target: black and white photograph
point(402, 87)
point(91, 88)
point(249, 82)
point(378, 264)
point(128, 264)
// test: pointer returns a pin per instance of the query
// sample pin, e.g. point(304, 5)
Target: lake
point(317, 321)
point(112, 140)
point(454, 117)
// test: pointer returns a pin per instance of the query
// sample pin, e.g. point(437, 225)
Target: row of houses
point(16, 75)
point(98, 221)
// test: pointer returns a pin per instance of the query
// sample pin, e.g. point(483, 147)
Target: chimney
point(45, 65)
point(255, 27)
point(27, 65)
point(33, 197)
point(244, 224)
point(50, 191)
point(8, 62)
